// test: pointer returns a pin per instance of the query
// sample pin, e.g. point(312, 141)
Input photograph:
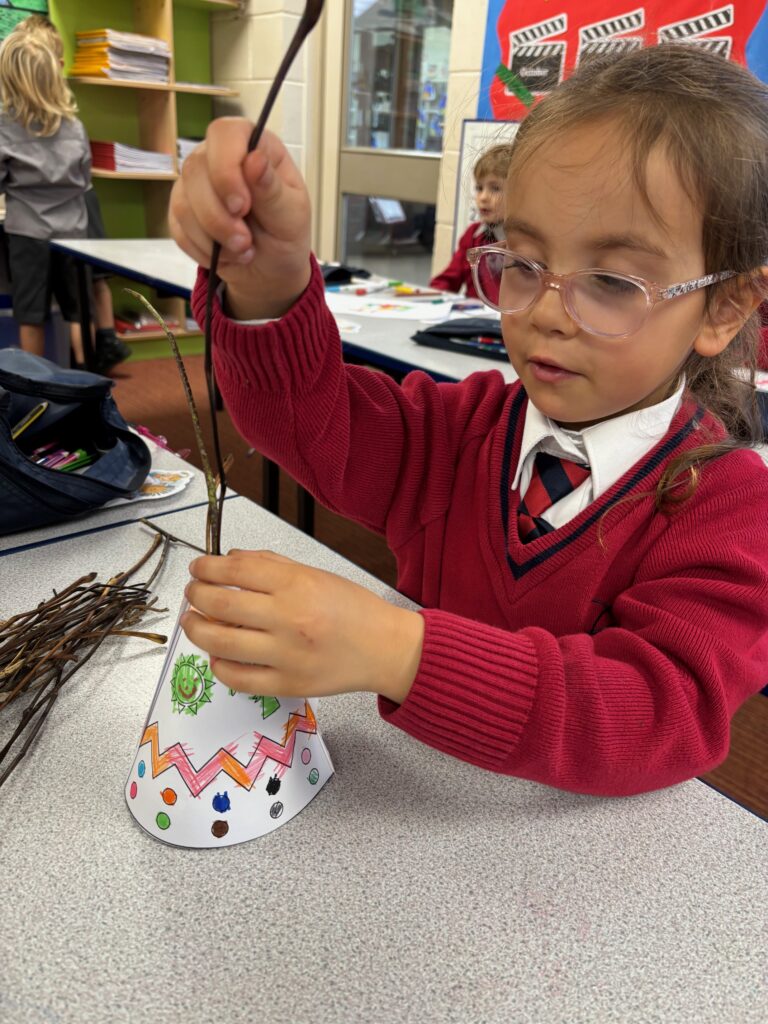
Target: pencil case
point(78, 414)
point(472, 335)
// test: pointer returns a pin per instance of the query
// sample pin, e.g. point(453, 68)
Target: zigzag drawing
point(224, 761)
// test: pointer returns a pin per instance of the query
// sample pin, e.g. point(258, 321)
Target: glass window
point(398, 73)
point(390, 237)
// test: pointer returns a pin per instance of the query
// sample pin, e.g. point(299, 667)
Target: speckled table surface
point(414, 888)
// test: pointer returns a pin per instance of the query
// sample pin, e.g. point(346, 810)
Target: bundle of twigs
point(41, 649)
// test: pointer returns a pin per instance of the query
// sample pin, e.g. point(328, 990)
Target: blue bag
point(79, 413)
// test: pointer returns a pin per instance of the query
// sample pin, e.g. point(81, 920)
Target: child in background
point(109, 350)
point(490, 172)
point(45, 168)
point(590, 543)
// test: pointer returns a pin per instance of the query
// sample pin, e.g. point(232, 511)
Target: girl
point(109, 350)
point(45, 168)
point(490, 173)
point(590, 543)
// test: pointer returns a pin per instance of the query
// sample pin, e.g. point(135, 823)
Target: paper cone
point(216, 767)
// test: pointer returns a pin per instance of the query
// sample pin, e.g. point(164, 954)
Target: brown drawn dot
point(169, 796)
point(219, 829)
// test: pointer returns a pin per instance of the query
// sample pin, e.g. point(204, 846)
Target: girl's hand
point(291, 630)
point(256, 206)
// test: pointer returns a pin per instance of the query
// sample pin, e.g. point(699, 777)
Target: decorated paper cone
point(215, 767)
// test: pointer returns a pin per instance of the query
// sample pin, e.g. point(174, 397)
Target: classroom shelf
point(96, 172)
point(147, 115)
point(195, 88)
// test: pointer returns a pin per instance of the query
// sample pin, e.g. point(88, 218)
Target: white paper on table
point(215, 767)
point(386, 308)
point(159, 483)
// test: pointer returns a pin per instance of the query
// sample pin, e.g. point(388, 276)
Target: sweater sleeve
point(344, 431)
point(457, 274)
point(643, 704)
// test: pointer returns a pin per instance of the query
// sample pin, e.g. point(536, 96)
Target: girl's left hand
point(289, 630)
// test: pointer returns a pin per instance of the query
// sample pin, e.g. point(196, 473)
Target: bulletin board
point(12, 12)
point(476, 137)
point(532, 45)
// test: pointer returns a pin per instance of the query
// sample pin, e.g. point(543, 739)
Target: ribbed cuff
point(285, 354)
point(473, 692)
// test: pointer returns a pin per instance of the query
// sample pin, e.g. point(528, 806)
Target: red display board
point(532, 45)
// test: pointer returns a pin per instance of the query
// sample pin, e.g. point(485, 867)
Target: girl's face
point(574, 205)
point(489, 196)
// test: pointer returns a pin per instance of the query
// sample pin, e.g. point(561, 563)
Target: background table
point(413, 888)
point(383, 343)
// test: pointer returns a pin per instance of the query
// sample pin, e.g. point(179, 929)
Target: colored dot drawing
point(313, 776)
point(276, 809)
point(306, 755)
point(169, 796)
point(163, 821)
point(142, 769)
point(134, 790)
point(219, 829)
point(220, 802)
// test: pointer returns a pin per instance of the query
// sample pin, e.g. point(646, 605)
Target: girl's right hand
point(256, 206)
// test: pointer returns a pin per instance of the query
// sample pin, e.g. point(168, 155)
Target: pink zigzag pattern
point(224, 760)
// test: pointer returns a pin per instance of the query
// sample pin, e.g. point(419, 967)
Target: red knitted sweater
point(458, 273)
point(605, 657)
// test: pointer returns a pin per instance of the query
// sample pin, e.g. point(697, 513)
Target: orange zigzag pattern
point(224, 761)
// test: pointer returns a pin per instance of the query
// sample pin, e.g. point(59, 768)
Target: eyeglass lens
point(602, 303)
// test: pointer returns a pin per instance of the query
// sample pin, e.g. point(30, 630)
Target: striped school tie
point(552, 479)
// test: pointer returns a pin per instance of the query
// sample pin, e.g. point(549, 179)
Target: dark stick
point(312, 11)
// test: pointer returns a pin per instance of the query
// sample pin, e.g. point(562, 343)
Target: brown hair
point(32, 88)
point(711, 116)
point(493, 161)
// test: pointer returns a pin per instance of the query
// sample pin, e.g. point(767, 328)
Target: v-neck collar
point(523, 558)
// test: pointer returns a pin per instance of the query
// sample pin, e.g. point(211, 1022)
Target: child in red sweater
point(600, 642)
point(490, 174)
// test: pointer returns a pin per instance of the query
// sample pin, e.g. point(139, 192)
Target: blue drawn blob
point(221, 802)
point(142, 769)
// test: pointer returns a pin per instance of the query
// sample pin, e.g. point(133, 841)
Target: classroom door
point(395, 83)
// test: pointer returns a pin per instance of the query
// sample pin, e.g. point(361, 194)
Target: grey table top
point(413, 888)
point(194, 494)
point(386, 343)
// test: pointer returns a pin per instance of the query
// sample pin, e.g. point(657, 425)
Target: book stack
point(126, 56)
point(185, 147)
point(115, 156)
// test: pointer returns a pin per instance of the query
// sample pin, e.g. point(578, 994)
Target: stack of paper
point(185, 147)
point(114, 156)
point(105, 53)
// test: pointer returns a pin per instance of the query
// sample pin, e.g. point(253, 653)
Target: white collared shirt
point(611, 448)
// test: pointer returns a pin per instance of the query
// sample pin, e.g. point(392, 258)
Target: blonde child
point(490, 173)
point(45, 168)
point(601, 642)
point(108, 348)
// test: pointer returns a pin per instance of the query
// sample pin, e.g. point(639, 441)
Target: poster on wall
point(532, 45)
point(11, 13)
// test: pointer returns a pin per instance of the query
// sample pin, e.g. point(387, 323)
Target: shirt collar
point(611, 447)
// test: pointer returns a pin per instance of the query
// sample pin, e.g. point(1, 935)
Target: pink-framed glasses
point(602, 302)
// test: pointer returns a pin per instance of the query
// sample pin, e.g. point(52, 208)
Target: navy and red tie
point(552, 479)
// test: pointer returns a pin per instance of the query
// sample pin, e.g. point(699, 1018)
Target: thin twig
point(213, 521)
point(170, 536)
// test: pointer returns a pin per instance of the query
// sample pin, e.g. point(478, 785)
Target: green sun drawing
point(269, 705)
point(191, 684)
